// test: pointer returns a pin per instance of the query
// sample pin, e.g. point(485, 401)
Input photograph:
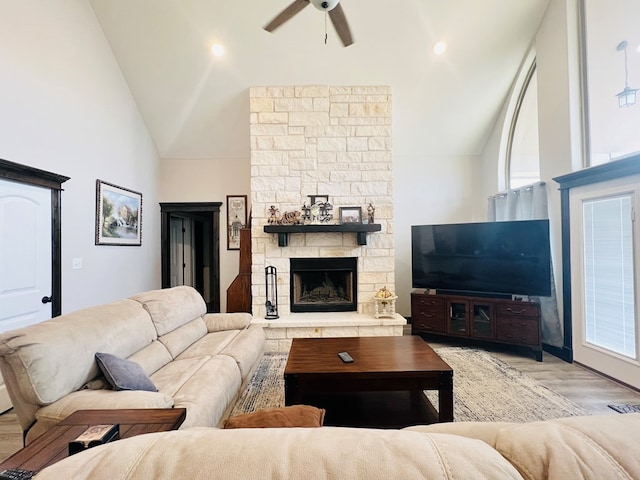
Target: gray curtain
point(530, 203)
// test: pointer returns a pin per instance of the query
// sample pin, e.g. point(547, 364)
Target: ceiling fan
point(336, 14)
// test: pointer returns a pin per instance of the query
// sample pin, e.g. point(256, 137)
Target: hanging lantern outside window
point(627, 97)
point(271, 281)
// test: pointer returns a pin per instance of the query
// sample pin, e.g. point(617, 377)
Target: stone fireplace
point(323, 284)
point(332, 141)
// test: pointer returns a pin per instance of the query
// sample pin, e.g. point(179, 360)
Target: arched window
point(522, 152)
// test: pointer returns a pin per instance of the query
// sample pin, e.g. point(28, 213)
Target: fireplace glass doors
point(324, 284)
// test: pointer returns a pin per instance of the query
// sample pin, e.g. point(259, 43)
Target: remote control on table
point(345, 357)
point(17, 474)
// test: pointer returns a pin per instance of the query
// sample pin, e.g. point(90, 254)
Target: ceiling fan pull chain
point(325, 27)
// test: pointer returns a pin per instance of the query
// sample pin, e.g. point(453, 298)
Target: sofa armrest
point(217, 322)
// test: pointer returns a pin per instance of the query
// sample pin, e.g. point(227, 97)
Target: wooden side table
point(53, 445)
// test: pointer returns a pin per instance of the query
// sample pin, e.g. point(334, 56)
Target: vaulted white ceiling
point(196, 105)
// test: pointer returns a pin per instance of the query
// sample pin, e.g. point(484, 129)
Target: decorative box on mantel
point(361, 230)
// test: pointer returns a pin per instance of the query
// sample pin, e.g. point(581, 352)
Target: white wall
point(65, 108)
point(208, 180)
point(556, 44)
point(430, 190)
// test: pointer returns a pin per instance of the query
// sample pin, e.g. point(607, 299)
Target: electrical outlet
point(76, 263)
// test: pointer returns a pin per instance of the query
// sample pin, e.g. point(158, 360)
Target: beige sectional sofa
point(196, 360)
point(596, 447)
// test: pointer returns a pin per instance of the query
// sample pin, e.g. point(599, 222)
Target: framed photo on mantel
point(350, 215)
point(236, 219)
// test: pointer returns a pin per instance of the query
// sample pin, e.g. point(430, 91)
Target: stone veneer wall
point(321, 140)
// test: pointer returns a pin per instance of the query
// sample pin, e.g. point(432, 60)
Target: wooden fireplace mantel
point(360, 229)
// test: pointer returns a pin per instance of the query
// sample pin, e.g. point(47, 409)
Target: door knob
point(46, 299)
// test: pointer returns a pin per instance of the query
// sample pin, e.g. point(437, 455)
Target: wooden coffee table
point(382, 388)
point(53, 445)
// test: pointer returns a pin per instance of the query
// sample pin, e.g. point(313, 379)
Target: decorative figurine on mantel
point(326, 212)
point(385, 303)
point(321, 212)
point(274, 213)
point(306, 215)
point(371, 211)
point(290, 218)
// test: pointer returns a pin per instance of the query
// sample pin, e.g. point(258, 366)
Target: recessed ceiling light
point(440, 47)
point(638, 49)
point(217, 50)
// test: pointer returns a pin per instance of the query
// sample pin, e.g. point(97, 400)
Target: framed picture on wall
point(236, 219)
point(118, 215)
point(350, 215)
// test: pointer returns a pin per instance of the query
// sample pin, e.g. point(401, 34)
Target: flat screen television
point(484, 258)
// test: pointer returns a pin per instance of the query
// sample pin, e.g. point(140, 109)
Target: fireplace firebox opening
point(324, 284)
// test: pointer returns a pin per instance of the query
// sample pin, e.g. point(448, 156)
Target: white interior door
point(25, 258)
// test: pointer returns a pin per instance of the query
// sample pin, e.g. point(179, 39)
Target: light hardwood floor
point(587, 389)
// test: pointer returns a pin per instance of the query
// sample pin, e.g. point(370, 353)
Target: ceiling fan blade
point(286, 14)
point(340, 23)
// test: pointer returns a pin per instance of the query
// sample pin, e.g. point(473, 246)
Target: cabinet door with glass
point(458, 317)
point(482, 320)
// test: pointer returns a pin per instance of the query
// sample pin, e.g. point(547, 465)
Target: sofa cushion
point(311, 453)
point(209, 345)
point(246, 348)
point(178, 340)
point(124, 374)
point(599, 446)
point(152, 357)
point(485, 431)
point(63, 348)
point(217, 322)
point(170, 308)
point(170, 378)
point(209, 392)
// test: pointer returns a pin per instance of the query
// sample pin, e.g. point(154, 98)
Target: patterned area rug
point(625, 408)
point(484, 388)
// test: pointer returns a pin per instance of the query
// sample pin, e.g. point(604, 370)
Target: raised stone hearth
point(281, 331)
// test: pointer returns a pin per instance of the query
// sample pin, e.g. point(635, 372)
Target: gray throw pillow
point(124, 374)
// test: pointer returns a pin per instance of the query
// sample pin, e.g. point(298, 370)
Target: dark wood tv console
point(495, 320)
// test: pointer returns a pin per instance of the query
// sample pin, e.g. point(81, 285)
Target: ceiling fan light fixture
point(324, 5)
point(440, 47)
point(217, 50)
